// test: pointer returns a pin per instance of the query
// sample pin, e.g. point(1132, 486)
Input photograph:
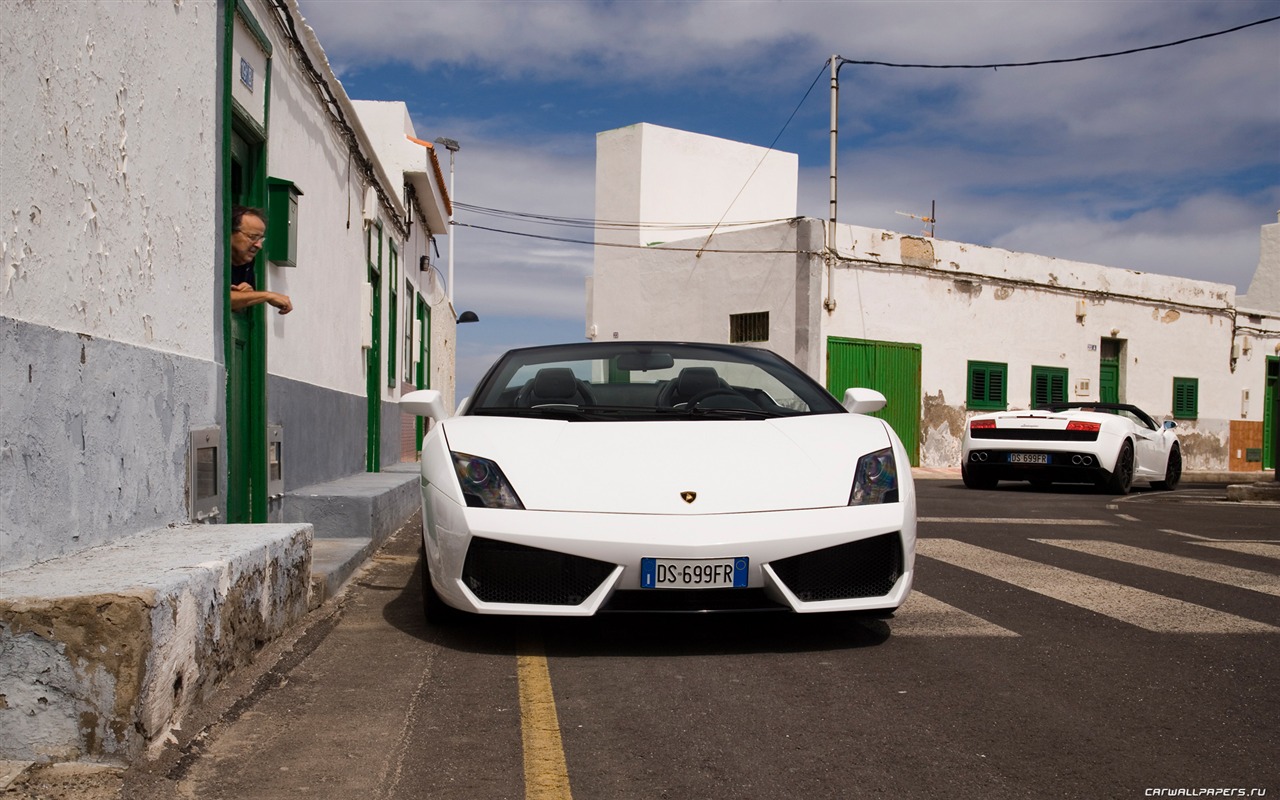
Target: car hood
point(644, 467)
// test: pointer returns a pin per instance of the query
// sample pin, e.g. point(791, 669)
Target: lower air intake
point(866, 568)
point(501, 572)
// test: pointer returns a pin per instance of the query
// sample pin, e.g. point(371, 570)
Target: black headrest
point(555, 382)
point(695, 380)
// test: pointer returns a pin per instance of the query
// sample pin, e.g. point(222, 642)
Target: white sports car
point(1107, 444)
point(657, 476)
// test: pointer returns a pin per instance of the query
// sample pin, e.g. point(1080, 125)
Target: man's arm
point(245, 296)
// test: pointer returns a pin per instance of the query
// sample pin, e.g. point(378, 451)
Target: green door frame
point(373, 360)
point(244, 165)
point(1270, 415)
point(424, 362)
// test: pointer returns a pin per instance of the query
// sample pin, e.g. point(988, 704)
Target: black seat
point(554, 386)
point(691, 382)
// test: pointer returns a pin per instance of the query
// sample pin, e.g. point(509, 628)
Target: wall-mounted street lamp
point(467, 316)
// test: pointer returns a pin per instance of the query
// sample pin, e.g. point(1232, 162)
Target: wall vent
point(751, 327)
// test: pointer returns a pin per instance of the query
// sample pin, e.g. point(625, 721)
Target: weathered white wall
point(658, 175)
point(963, 302)
point(108, 281)
point(106, 233)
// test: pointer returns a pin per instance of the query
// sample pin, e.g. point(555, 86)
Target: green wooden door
point(246, 355)
point(891, 368)
point(1109, 380)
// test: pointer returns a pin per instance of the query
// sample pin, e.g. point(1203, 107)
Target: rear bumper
point(1059, 467)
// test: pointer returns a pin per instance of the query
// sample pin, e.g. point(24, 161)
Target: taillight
point(1076, 425)
point(981, 423)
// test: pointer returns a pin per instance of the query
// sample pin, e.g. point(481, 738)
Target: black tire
point(434, 609)
point(1121, 479)
point(976, 481)
point(1172, 471)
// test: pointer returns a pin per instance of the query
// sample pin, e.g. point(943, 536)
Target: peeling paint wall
point(108, 225)
point(108, 345)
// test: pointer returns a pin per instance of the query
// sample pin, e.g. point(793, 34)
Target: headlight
point(483, 484)
point(876, 479)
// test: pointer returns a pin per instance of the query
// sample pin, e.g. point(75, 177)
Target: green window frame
point(1048, 385)
point(1186, 398)
point(988, 385)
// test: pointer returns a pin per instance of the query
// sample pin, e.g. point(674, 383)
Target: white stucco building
point(150, 437)
point(942, 328)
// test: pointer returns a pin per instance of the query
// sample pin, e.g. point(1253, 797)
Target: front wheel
point(1172, 471)
point(1121, 479)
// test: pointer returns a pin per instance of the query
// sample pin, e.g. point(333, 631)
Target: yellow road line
point(546, 776)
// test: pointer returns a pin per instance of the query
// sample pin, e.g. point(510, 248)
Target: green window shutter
point(1186, 398)
point(988, 382)
point(1048, 385)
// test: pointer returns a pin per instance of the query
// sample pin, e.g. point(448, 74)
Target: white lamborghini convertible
point(656, 476)
point(1107, 444)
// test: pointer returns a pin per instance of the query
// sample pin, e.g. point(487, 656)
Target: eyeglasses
point(253, 238)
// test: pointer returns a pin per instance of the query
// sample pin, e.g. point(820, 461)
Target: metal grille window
point(1048, 385)
point(1186, 398)
point(752, 327)
point(987, 385)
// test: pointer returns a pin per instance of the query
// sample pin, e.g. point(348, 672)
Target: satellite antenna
point(931, 219)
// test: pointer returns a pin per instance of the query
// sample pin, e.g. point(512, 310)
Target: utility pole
point(452, 146)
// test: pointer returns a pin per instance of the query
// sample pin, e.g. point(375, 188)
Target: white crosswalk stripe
point(1179, 565)
point(923, 615)
point(1264, 549)
point(1134, 606)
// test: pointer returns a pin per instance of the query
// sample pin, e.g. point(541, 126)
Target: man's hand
point(244, 296)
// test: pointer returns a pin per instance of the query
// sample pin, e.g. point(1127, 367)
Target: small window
point(1048, 385)
point(987, 385)
point(753, 327)
point(1186, 398)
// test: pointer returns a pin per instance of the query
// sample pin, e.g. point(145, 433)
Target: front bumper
point(578, 564)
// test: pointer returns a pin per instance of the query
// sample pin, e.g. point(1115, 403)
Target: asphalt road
point(1059, 643)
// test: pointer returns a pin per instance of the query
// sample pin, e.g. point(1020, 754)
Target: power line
point(631, 246)
point(844, 61)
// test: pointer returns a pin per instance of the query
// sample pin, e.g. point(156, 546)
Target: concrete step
point(352, 517)
point(103, 652)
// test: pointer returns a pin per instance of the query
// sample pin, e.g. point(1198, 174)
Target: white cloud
point(1162, 161)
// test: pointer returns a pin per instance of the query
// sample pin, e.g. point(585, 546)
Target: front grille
point(501, 572)
point(691, 600)
point(867, 568)
point(1034, 434)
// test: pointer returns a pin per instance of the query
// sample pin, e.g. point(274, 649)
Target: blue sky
point(1165, 161)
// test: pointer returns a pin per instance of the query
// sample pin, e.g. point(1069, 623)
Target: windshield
point(648, 380)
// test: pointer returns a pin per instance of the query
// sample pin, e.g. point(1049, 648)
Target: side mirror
point(1169, 424)
point(863, 401)
point(424, 403)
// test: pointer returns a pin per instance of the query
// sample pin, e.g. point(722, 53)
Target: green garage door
point(891, 368)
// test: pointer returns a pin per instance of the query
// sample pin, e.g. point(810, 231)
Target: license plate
point(1028, 458)
point(693, 573)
